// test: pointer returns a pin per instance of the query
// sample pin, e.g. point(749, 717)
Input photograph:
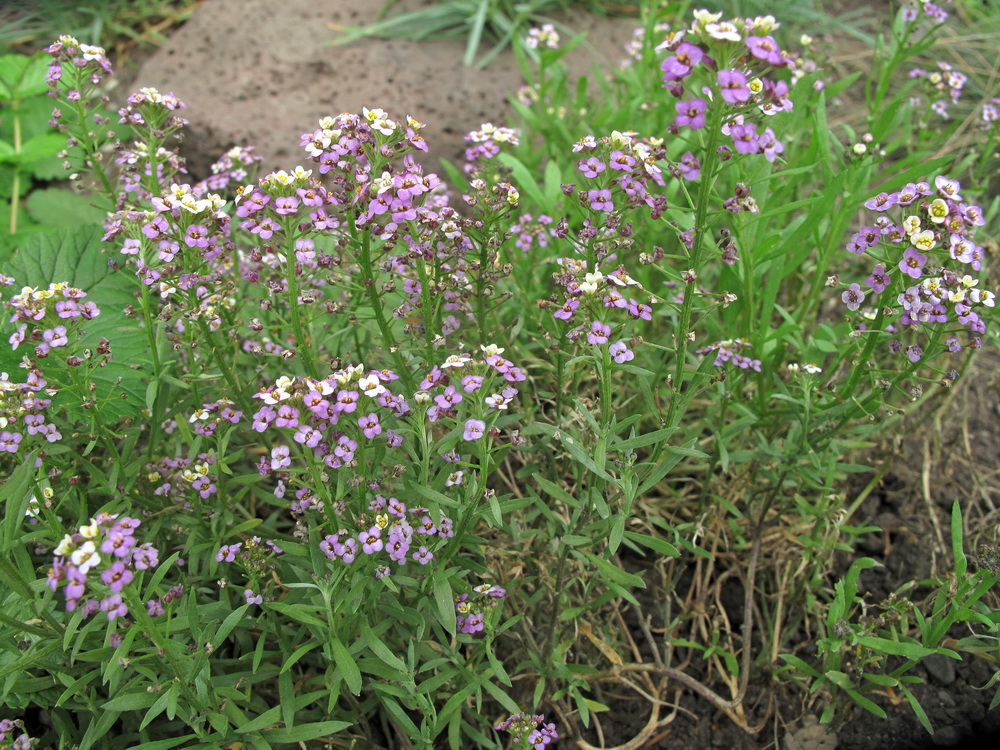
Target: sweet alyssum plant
point(343, 453)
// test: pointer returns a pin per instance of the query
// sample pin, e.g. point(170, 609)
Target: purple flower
point(689, 167)
point(251, 597)
point(472, 383)
point(370, 425)
point(56, 336)
point(566, 311)
point(285, 206)
point(599, 333)
point(474, 429)
point(145, 556)
point(622, 162)
point(280, 457)
point(371, 540)
point(881, 202)
point(116, 576)
point(9, 441)
point(678, 66)
point(853, 297)
point(639, 310)
point(227, 552)
point(744, 138)
point(764, 48)
point(734, 86)
point(591, 167)
point(912, 263)
point(114, 606)
point(769, 144)
point(691, 114)
point(620, 352)
point(878, 280)
point(600, 200)
point(423, 555)
point(862, 240)
point(915, 352)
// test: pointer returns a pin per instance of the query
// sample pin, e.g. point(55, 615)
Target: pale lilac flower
point(734, 86)
point(599, 333)
point(912, 263)
point(691, 114)
point(474, 429)
point(853, 297)
point(620, 352)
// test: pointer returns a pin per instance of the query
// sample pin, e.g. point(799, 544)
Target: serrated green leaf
point(61, 208)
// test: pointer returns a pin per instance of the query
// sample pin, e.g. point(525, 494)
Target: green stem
point(378, 310)
point(710, 169)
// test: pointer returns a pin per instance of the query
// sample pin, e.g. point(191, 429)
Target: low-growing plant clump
point(358, 454)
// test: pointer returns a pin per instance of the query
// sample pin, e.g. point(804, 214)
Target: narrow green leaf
point(961, 563)
point(379, 648)
point(296, 655)
point(347, 666)
point(302, 732)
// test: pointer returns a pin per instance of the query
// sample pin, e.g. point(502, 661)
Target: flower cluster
point(22, 412)
point(255, 556)
point(925, 8)
point(918, 230)
point(177, 478)
point(529, 730)
point(731, 57)
point(943, 82)
point(88, 62)
point(730, 352)
point(529, 232)
point(544, 36)
point(400, 532)
point(237, 165)
point(7, 738)
point(620, 171)
point(486, 143)
point(48, 312)
point(327, 417)
point(107, 546)
point(471, 611)
point(598, 294)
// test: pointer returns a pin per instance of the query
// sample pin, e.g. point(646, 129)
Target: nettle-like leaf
point(61, 208)
point(22, 76)
point(75, 255)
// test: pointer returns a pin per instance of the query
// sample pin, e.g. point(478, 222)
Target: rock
point(941, 668)
point(810, 735)
point(254, 75)
point(948, 737)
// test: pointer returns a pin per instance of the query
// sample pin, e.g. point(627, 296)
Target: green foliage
point(555, 486)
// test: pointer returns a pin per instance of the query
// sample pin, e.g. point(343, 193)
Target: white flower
point(371, 385)
point(456, 360)
point(724, 31)
point(924, 240)
point(200, 415)
point(811, 368)
point(65, 546)
point(91, 531)
point(383, 183)
point(90, 52)
point(491, 349)
point(85, 557)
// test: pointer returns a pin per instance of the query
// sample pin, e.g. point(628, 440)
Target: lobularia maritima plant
point(345, 453)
